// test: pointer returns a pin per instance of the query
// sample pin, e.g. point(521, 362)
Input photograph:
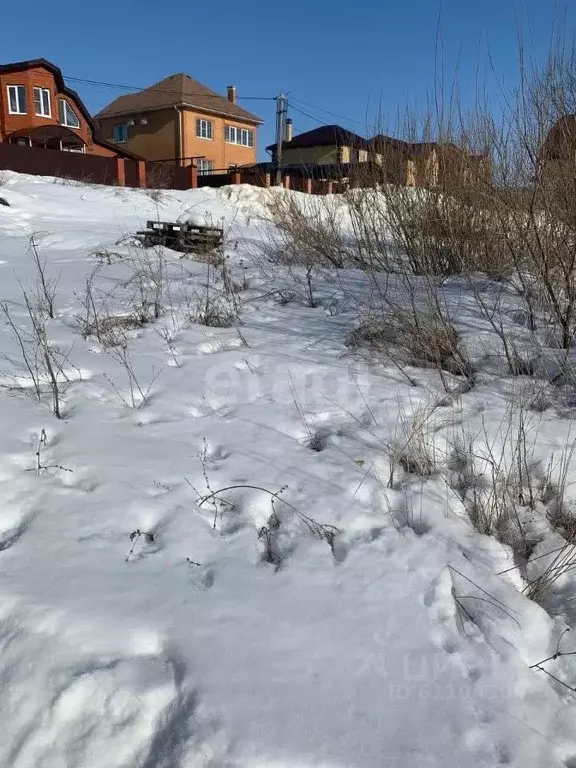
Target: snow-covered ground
point(308, 616)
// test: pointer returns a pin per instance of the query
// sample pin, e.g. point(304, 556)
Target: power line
point(371, 127)
point(306, 114)
point(161, 90)
point(327, 112)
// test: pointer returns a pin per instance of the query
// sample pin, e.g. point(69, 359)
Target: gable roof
point(325, 136)
point(178, 90)
point(19, 66)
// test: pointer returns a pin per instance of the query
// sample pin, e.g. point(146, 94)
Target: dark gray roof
point(325, 136)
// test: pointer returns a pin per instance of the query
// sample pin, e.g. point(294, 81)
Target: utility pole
point(281, 112)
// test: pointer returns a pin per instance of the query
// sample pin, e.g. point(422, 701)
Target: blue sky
point(351, 59)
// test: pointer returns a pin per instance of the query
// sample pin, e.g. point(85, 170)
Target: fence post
point(235, 177)
point(192, 176)
point(120, 172)
point(308, 186)
point(141, 171)
point(286, 181)
point(266, 179)
point(329, 185)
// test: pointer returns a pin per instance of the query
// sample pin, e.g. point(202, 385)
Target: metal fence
point(161, 175)
point(53, 162)
point(167, 175)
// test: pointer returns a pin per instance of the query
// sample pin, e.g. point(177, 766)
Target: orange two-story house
point(181, 121)
point(38, 110)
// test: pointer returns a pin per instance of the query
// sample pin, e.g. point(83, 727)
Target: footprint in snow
point(140, 708)
point(10, 535)
point(16, 514)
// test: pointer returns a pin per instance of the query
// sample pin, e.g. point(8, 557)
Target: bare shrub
point(426, 232)
point(158, 177)
point(41, 362)
point(216, 304)
point(214, 312)
point(105, 256)
point(45, 288)
point(148, 282)
point(307, 230)
point(80, 180)
point(167, 335)
point(501, 483)
point(130, 303)
point(412, 447)
point(138, 394)
point(561, 562)
point(413, 326)
point(110, 330)
point(322, 531)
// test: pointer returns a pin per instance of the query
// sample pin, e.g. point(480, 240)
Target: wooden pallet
point(186, 238)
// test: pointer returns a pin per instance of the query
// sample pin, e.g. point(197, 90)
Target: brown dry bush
point(306, 231)
point(422, 338)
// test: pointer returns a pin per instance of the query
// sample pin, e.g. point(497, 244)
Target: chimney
point(232, 93)
point(289, 129)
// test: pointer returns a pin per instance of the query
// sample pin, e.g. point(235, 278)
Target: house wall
point(311, 155)
point(157, 140)
point(423, 168)
point(430, 171)
point(411, 174)
point(558, 173)
point(325, 155)
point(222, 154)
point(457, 167)
point(397, 167)
point(41, 78)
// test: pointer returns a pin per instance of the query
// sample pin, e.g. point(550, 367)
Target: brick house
point(415, 164)
point(326, 145)
point(37, 109)
point(428, 163)
point(179, 120)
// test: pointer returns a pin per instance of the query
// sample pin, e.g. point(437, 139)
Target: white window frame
point(125, 126)
point(242, 137)
point(204, 129)
point(205, 166)
point(63, 120)
point(44, 98)
point(15, 89)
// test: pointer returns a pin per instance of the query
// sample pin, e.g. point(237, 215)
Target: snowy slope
point(181, 646)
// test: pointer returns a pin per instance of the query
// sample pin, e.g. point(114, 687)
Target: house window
point(204, 129)
point(42, 102)
point(17, 99)
point(205, 167)
point(66, 115)
point(242, 136)
point(120, 134)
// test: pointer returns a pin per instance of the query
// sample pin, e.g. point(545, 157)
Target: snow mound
point(202, 563)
